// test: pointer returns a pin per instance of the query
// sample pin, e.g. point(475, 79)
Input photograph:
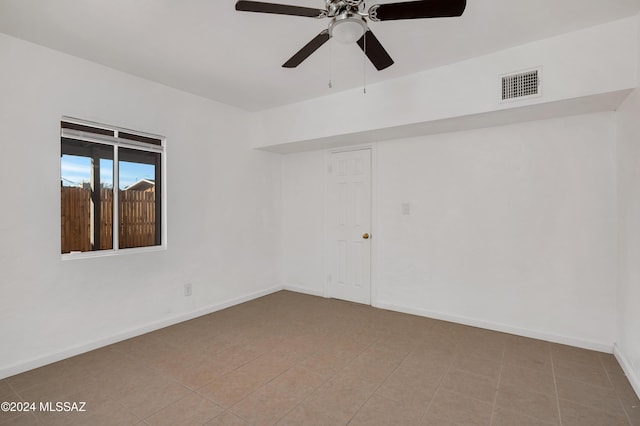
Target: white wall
point(628, 344)
point(304, 194)
point(223, 210)
point(592, 61)
point(512, 227)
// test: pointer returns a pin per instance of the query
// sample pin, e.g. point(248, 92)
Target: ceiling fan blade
point(308, 49)
point(374, 51)
point(279, 9)
point(417, 10)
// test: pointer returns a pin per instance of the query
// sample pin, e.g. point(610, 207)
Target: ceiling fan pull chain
point(330, 62)
point(364, 64)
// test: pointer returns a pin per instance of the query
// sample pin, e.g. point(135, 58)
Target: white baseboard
point(137, 331)
point(626, 367)
point(504, 328)
point(303, 290)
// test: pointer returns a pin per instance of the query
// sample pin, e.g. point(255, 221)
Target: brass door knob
point(365, 236)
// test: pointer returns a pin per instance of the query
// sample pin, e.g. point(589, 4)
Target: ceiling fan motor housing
point(336, 7)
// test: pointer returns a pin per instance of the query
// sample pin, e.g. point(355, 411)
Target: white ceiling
point(207, 48)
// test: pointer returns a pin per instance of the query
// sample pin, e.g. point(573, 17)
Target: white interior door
point(349, 226)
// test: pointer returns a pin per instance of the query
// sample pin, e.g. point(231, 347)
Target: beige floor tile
point(38, 376)
point(379, 410)
point(197, 374)
point(426, 358)
point(632, 408)
point(298, 381)
point(397, 347)
point(148, 349)
point(341, 397)
point(527, 378)
point(563, 353)
point(478, 387)
point(193, 409)
point(61, 418)
point(529, 354)
point(610, 364)
point(57, 389)
point(5, 390)
point(230, 388)
point(527, 343)
point(266, 343)
point(605, 399)
point(324, 363)
point(110, 413)
point(127, 383)
point(115, 381)
point(304, 415)
point(394, 353)
point(369, 368)
point(459, 409)
point(295, 351)
point(237, 355)
point(94, 361)
point(475, 365)
point(488, 346)
point(539, 405)
point(633, 412)
point(431, 420)
point(623, 389)
point(153, 398)
point(344, 347)
point(582, 372)
point(410, 389)
point(450, 328)
point(578, 415)
point(265, 406)
point(503, 417)
point(227, 419)
point(216, 344)
point(267, 367)
point(107, 358)
point(94, 398)
point(440, 342)
point(177, 360)
point(26, 419)
point(185, 333)
point(479, 349)
point(9, 396)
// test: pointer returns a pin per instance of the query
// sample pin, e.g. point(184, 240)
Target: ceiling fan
point(348, 22)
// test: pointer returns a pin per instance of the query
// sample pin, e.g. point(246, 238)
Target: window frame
point(135, 140)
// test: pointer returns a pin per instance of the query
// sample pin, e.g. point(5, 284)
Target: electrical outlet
point(187, 289)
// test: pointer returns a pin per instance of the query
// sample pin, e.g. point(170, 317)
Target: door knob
point(365, 236)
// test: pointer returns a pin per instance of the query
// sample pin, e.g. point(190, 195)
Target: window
point(111, 188)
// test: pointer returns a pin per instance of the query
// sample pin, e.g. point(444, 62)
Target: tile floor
point(293, 359)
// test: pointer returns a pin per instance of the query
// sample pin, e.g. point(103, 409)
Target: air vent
point(521, 85)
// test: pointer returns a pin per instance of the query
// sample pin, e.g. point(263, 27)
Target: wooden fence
point(76, 203)
point(136, 216)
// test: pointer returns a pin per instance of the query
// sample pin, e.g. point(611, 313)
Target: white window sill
point(109, 253)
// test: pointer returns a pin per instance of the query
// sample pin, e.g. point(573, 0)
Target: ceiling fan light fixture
point(347, 28)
